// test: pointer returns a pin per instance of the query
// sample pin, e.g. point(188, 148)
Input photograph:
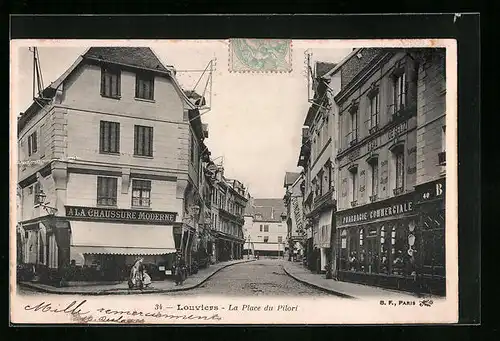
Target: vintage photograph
point(241, 168)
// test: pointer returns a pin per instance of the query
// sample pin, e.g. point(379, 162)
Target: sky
point(255, 119)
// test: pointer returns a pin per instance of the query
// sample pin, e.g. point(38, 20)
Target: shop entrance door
point(371, 255)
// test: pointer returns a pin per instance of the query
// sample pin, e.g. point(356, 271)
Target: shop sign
point(375, 213)
point(130, 216)
point(431, 190)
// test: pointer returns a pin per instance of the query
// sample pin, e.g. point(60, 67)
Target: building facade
point(110, 163)
point(377, 220)
point(228, 206)
point(317, 158)
point(431, 170)
point(294, 198)
point(266, 228)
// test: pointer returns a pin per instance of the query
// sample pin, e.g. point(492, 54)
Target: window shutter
point(117, 125)
point(151, 141)
point(102, 81)
point(137, 83)
point(119, 82)
point(152, 89)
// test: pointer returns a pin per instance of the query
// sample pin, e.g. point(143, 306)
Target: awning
point(121, 239)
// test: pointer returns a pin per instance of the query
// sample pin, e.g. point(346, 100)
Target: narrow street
point(264, 277)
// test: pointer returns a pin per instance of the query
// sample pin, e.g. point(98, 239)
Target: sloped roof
point(290, 178)
point(141, 57)
point(269, 209)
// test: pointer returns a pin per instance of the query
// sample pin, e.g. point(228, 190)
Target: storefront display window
point(344, 263)
point(353, 250)
point(399, 248)
point(384, 251)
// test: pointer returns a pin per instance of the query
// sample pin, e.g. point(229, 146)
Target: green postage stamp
point(260, 55)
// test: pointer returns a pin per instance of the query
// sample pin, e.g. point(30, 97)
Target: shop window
point(106, 191)
point(32, 143)
point(143, 141)
point(144, 86)
point(344, 263)
point(110, 82)
point(399, 250)
point(371, 248)
point(353, 250)
point(41, 249)
point(266, 239)
point(141, 193)
point(384, 251)
point(109, 137)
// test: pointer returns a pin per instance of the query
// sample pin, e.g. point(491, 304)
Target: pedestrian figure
point(146, 279)
point(136, 278)
point(180, 266)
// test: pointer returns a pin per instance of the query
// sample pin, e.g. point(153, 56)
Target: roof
point(290, 178)
point(141, 57)
point(323, 67)
point(138, 57)
point(269, 209)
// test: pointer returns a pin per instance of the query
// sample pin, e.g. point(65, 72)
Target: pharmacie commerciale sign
point(379, 212)
point(109, 214)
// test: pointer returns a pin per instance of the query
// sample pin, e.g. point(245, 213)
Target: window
point(261, 228)
point(354, 185)
point(443, 139)
point(399, 91)
point(400, 169)
point(32, 143)
point(110, 137)
point(141, 193)
point(398, 240)
point(374, 110)
point(41, 248)
point(354, 125)
point(106, 191)
point(266, 239)
point(384, 251)
point(143, 141)
point(144, 86)
point(36, 198)
point(320, 183)
point(110, 83)
point(374, 167)
point(266, 228)
point(280, 239)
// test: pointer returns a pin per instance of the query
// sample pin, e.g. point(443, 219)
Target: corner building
point(117, 146)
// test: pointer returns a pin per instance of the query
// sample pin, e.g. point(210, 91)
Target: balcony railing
point(442, 159)
point(325, 198)
point(398, 190)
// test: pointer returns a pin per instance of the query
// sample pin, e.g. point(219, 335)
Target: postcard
point(239, 181)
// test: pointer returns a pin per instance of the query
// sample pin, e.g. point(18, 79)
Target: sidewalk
point(343, 289)
point(121, 288)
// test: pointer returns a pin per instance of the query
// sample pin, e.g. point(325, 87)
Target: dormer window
point(110, 82)
point(144, 86)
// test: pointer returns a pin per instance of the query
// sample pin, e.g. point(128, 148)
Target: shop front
point(378, 244)
point(104, 243)
point(431, 227)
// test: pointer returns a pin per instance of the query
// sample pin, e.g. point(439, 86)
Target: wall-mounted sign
point(374, 211)
point(431, 190)
point(110, 214)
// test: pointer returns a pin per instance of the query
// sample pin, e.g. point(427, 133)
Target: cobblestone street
point(262, 277)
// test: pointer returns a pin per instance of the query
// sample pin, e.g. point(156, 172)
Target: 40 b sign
point(431, 190)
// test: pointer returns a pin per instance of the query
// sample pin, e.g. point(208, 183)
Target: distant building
point(265, 226)
point(228, 207)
